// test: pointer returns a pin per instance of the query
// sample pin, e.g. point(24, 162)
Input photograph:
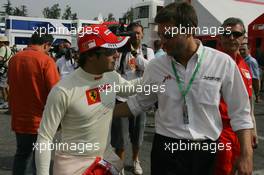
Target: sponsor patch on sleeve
point(246, 73)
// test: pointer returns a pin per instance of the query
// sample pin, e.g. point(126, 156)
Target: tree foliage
point(128, 16)
point(110, 17)
point(20, 11)
point(68, 13)
point(53, 12)
point(16, 11)
point(8, 9)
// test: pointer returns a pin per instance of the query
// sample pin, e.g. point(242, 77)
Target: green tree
point(67, 13)
point(129, 16)
point(53, 12)
point(16, 11)
point(110, 17)
point(8, 9)
point(74, 16)
point(46, 12)
point(56, 11)
point(22, 11)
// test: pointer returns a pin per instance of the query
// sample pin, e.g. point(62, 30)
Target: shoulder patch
point(245, 73)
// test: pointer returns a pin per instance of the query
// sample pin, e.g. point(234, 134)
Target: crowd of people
point(208, 100)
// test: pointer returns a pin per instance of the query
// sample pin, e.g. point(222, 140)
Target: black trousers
point(24, 161)
point(168, 158)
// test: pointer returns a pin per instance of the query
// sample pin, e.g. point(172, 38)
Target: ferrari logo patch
point(93, 96)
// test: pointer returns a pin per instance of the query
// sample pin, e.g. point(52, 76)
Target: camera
point(120, 30)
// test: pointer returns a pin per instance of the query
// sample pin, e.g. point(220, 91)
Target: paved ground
point(7, 145)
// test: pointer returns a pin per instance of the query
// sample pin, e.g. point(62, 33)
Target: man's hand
point(122, 110)
point(254, 139)
point(244, 165)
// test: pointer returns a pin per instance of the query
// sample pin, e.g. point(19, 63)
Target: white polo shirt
point(218, 76)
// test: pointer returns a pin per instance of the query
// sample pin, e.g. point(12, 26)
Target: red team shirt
point(225, 159)
point(247, 78)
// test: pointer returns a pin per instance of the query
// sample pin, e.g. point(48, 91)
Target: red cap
point(99, 36)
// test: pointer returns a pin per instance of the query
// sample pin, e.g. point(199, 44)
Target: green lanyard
point(181, 84)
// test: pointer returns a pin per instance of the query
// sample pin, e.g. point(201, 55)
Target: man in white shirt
point(188, 121)
point(66, 64)
point(82, 103)
point(133, 60)
point(158, 48)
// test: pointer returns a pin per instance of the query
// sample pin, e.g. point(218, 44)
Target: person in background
point(158, 48)
point(60, 50)
point(14, 48)
point(260, 60)
point(227, 160)
point(134, 58)
point(67, 63)
point(31, 75)
point(5, 55)
point(67, 44)
point(244, 50)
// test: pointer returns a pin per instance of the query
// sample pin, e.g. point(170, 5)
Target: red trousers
point(225, 159)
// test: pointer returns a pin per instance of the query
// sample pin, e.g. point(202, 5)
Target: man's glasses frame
point(235, 34)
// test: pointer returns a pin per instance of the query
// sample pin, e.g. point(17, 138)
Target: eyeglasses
point(235, 34)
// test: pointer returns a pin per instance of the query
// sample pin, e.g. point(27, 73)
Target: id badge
point(185, 114)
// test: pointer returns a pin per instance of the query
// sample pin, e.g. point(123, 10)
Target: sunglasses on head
point(235, 34)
